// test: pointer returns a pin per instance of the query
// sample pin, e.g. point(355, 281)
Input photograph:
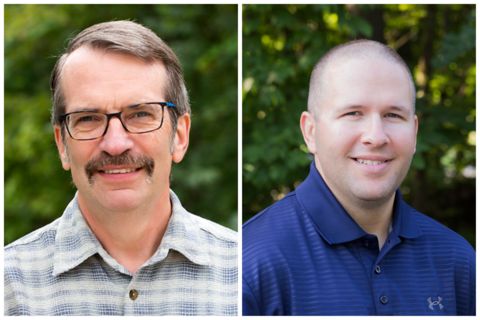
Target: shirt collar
point(75, 242)
point(332, 221)
point(183, 235)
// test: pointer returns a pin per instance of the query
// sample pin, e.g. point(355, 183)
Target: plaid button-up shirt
point(62, 269)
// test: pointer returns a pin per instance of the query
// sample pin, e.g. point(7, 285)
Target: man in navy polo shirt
point(344, 242)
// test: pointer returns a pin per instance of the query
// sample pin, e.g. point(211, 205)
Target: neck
point(374, 217)
point(130, 237)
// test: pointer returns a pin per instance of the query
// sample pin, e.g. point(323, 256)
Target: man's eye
point(393, 115)
point(141, 114)
point(353, 113)
point(85, 119)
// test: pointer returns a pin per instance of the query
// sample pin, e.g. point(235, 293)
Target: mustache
point(125, 158)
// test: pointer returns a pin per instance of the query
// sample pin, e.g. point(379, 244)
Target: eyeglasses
point(91, 125)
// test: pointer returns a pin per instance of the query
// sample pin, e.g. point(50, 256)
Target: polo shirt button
point(378, 269)
point(384, 299)
point(366, 243)
point(133, 294)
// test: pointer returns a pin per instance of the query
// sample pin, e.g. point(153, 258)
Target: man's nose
point(374, 133)
point(116, 140)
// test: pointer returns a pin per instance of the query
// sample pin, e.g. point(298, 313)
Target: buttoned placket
point(135, 294)
point(372, 261)
point(382, 295)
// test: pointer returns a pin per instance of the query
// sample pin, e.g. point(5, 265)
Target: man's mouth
point(117, 171)
point(125, 159)
point(370, 162)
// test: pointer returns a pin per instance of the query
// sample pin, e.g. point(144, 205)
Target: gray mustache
point(125, 158)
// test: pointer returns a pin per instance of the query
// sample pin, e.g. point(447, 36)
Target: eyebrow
point(400, 108)
point(85, 108)
point(91, 108)
point(359, 106)
point(99, 109)
point(351, 107)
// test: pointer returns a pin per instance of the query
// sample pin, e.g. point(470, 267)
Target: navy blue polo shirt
point(305, 255)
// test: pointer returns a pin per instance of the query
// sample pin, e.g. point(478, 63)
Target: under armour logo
point(435, 303)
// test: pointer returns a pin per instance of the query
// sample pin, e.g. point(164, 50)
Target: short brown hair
point(356, 49)
point(130, 38)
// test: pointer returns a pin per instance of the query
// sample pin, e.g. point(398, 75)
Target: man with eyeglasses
point(124, 245)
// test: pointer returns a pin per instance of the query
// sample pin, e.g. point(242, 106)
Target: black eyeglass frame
point(63, 117)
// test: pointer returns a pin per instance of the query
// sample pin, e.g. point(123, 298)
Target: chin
point(374, 194)
point(122, 200)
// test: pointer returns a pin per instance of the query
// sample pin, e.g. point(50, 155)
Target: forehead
point(92, 76)
point(367, 82)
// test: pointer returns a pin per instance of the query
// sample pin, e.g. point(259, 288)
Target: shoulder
point(439, 243)
point(438, 234)
point(275, 217)
point(209, 229)
point(214, 231)
point(38, 241)
point(28, 261)
point(271, 242)
point(200, 230)
point(212, 246)
point(209, 240)
point(269, 235)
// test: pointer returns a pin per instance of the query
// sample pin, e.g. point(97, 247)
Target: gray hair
point(357, 49)
point(130, 38)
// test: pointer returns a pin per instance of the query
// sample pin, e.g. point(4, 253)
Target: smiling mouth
point(118, 171)
point(370, 162)
point(95, 165)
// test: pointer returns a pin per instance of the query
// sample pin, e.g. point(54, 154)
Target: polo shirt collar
point(75, 242)
point(404, 223)
point(332, 221)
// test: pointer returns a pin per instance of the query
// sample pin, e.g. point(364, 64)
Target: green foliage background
point(204, 37)
point(282, 43)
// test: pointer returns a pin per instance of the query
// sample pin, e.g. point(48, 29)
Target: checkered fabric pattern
point(62, 269)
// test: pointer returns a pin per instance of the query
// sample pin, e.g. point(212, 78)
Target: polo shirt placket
point(380, 286)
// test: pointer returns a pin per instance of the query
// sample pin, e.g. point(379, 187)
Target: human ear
point(62, 149)
point(307, 124)
point(181, 137)
point(416, 131)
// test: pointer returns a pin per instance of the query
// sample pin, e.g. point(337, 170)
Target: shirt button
point(366, 243)
point(378, 269)
point(384, 299)
point(133, 294)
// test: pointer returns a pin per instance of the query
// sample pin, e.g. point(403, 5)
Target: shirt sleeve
point(250, 305)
